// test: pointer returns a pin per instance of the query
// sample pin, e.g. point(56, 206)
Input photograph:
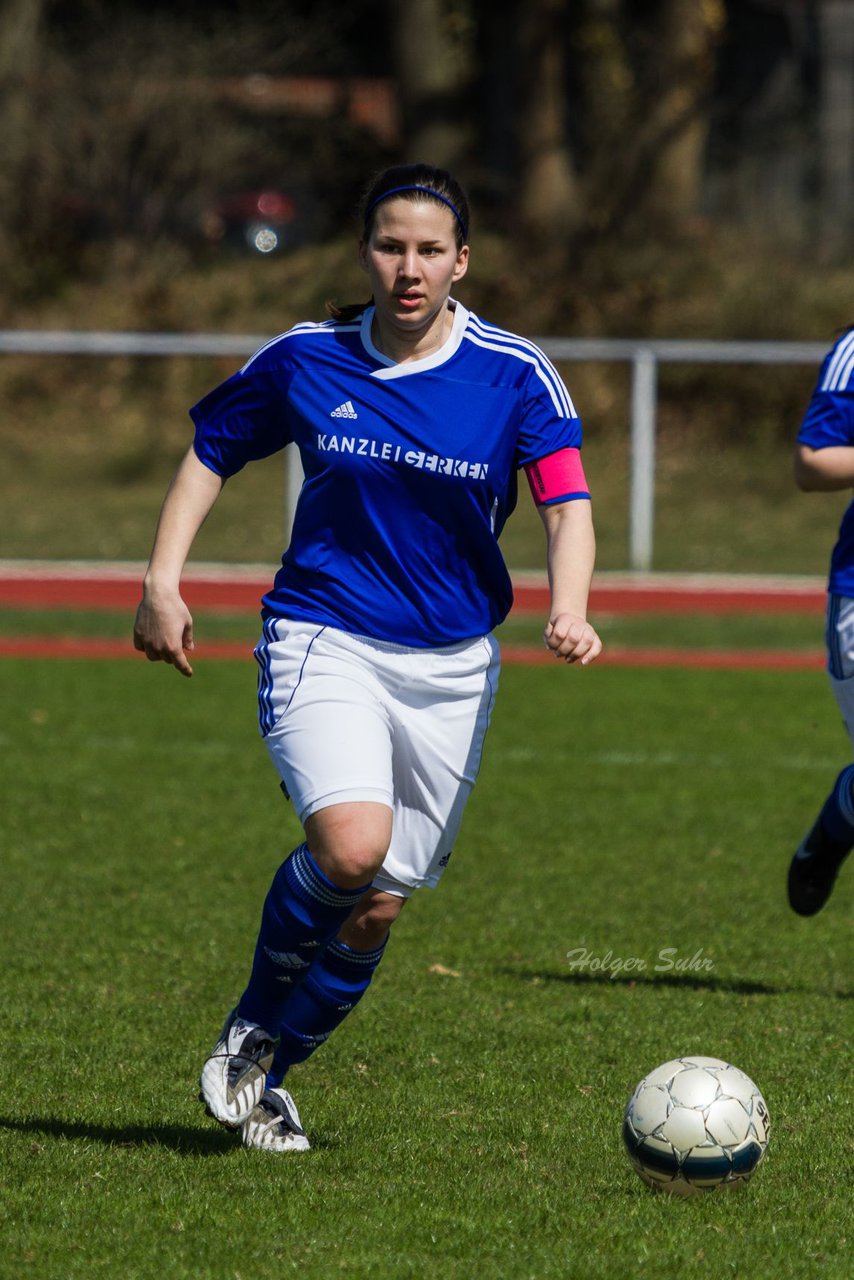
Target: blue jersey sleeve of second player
point(243, 419)
point(829, 419)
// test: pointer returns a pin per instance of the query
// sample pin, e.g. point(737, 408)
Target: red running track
point(241, 592)
point(117, 588)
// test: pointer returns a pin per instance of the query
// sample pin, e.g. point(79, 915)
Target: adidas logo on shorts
point(345, 410)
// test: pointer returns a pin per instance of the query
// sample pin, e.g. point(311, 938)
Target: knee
point(350, 868)
point(349, 842)
point(368, 925)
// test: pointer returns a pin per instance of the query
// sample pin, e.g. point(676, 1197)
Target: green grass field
point(466, 1119)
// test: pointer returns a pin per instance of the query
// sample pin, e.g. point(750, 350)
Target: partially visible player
point(377, 664)
point(824, 461)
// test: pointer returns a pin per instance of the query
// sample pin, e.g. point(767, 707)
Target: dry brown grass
point(88, 444)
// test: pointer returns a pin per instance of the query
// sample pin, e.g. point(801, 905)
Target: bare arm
point(163, 630)
point(571, 553)
point(823, 470)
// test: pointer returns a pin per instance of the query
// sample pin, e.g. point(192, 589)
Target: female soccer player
point(377, 665)
point(824, 460)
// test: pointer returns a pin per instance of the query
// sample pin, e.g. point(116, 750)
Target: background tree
point(431, 50)
point(609, 103)
point(582, 121)
point(671, 146)
point(646, 76)
point(20, 57)
point(547, 188)
point(836, 119)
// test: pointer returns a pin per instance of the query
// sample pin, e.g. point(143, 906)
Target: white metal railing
point(644, 356)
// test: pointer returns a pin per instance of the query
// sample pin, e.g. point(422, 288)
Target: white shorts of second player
point(346, 718)
point(840, 656)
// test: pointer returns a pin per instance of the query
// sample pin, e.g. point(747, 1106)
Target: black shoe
point(813, 871)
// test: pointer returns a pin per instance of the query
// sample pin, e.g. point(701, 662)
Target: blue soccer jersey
point(829, 420)
point(410, 470)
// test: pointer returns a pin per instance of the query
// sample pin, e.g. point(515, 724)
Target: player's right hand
point(571, 637)
point(164, 632)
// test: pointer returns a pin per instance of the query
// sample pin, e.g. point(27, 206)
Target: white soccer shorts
point(348, 718)
point(840, 656)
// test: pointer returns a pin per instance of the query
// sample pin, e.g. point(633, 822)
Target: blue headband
point(427, 191)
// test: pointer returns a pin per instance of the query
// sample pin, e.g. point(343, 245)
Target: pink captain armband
point(558, 477)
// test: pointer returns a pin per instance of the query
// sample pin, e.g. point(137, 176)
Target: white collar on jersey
point(391, 369)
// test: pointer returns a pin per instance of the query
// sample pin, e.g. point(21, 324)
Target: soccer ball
point(696, 1124)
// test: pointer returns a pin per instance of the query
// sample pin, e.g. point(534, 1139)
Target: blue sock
point(302, 913)
point(334, 985)
point(837, 815)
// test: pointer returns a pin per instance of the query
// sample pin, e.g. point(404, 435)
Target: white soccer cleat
point(274, 1124)
point(234, 1076)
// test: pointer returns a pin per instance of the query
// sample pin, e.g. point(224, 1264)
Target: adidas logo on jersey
point(345, 410)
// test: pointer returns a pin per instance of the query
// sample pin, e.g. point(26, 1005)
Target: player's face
point(412, 260)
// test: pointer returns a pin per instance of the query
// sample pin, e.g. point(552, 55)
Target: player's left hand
point(572, 638)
